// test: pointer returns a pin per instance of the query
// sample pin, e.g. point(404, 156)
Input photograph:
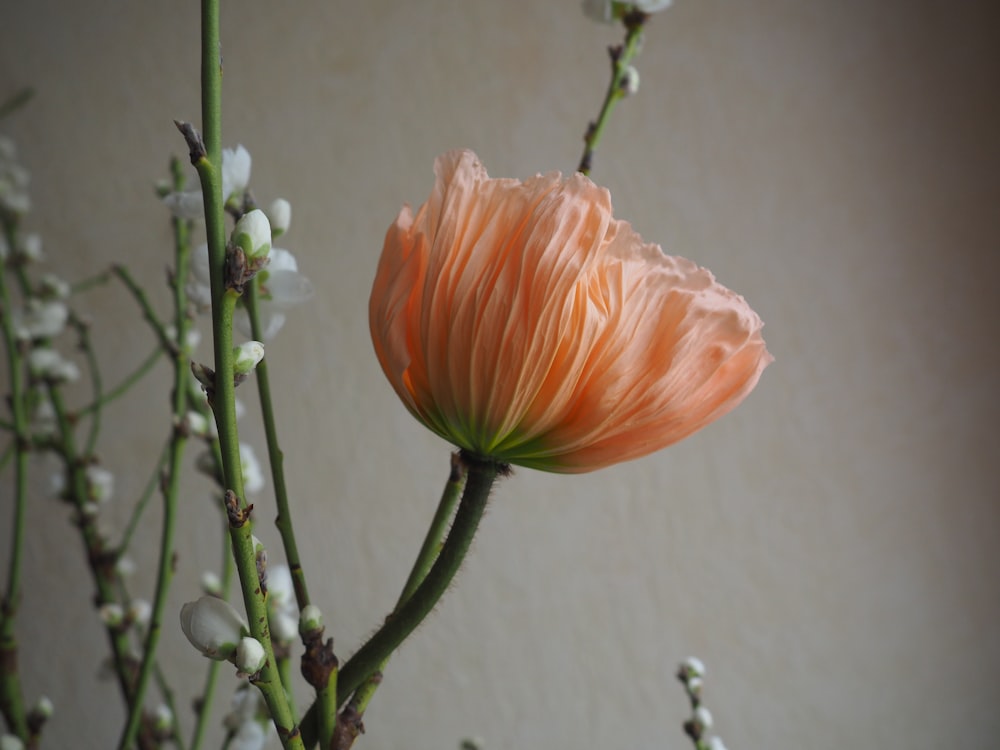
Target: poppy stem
point(481, 475)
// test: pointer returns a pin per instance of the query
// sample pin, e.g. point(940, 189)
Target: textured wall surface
point(829, 549)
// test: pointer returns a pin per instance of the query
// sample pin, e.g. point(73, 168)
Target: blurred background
point(830, 549)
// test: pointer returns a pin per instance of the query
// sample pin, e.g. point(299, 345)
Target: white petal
point(185, 205)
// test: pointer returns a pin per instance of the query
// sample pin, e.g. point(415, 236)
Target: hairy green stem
point(429, 551)
point(275, 455)
point(481, 475)
point(621, 59)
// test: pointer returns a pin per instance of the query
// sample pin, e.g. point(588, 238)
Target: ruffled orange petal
point(522, 321)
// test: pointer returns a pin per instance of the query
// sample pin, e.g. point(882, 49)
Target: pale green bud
point(247, 356)
point(250, 655)
point(252, 234)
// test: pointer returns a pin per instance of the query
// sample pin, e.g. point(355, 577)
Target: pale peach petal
point(521, 321)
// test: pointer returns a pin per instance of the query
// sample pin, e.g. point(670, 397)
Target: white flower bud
point(10, 742)
point(163, 718)
point(111, 614)
point(211, 584)
point(693, 666)
point(250, 735)
point(31, 247)
point(213, 627)
point(125, 566)
point(250, 655)
point(247, 356)
point(279, 213)
point(284, 627)
point(196, 423)
point(715, 743)
point(630, 81)
point(252, 233)
point(43, 707)
point(703, 717)
point(310, 619)
point(694, 684)
point(139, 611)
point(52, 286)
point(100, 484)
point(236, 165)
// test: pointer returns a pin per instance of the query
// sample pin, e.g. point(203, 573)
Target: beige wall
point(830, 548)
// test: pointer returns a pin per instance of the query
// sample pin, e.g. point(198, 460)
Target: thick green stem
point(11, 696)
point(207, 159)
point(621, 59)
point(481, 475)
point(275, 455)
point(425, 559)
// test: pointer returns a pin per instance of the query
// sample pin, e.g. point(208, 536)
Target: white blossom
point(606, 11)
point(53, 286)
point(139, 611)
point(213, 627)
point(31, 247)
point(43, 707)
point(252, 234)
point(703, 717)
point(715, 743)
point(310, 619)
point(125, 566)
point(630, 83)
point(279, 213)
point(10, 742)
point(49, 364)
point(210, 583)
point(40, 319)
point(100, 483)
point(163, 717)
point(253, 475)
point(111, 614)
point(247, 721)
point(235, 178)
point(282, 608)
point(693, 666)
point(247, 356)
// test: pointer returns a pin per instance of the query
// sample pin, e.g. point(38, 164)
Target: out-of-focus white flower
point(693, 666)
point(630, 83)
point(40, 319)
point(253, 476)
point(192, 337)
point(703, 717)
point(11, 742)
point(198, 424)
point(139, 611)
point(163, 718)
point(43, 421)
point(235, 178)
point(715, 743)
point(282, 609)
point(52, 286)
point(252, 234)
point(43, 707)
point(606, 11)
point(50, 365)
point(247, 720)
point(213, 627)
point(211, 584)
point(125, 566)
point(31, 248)
point(282, 287)
point(100, 483)
point(279, 213)
point(247, 356)
point(694, 684)
point(14, 179)
point(250, 655)
point(111, 614)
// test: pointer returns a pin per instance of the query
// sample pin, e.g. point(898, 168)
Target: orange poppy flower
point(523, 323)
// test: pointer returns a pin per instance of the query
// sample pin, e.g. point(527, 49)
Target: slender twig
point(172, 479)
point(481, 475)
point(168, 699)
point(147, 309)
point(96, 383)
point(98, 279)
point(11, 694)
point(621, 59)
point(429, 551)
point(127, 382)
point(140, 506)
point(15, 102)
point(275, 455)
